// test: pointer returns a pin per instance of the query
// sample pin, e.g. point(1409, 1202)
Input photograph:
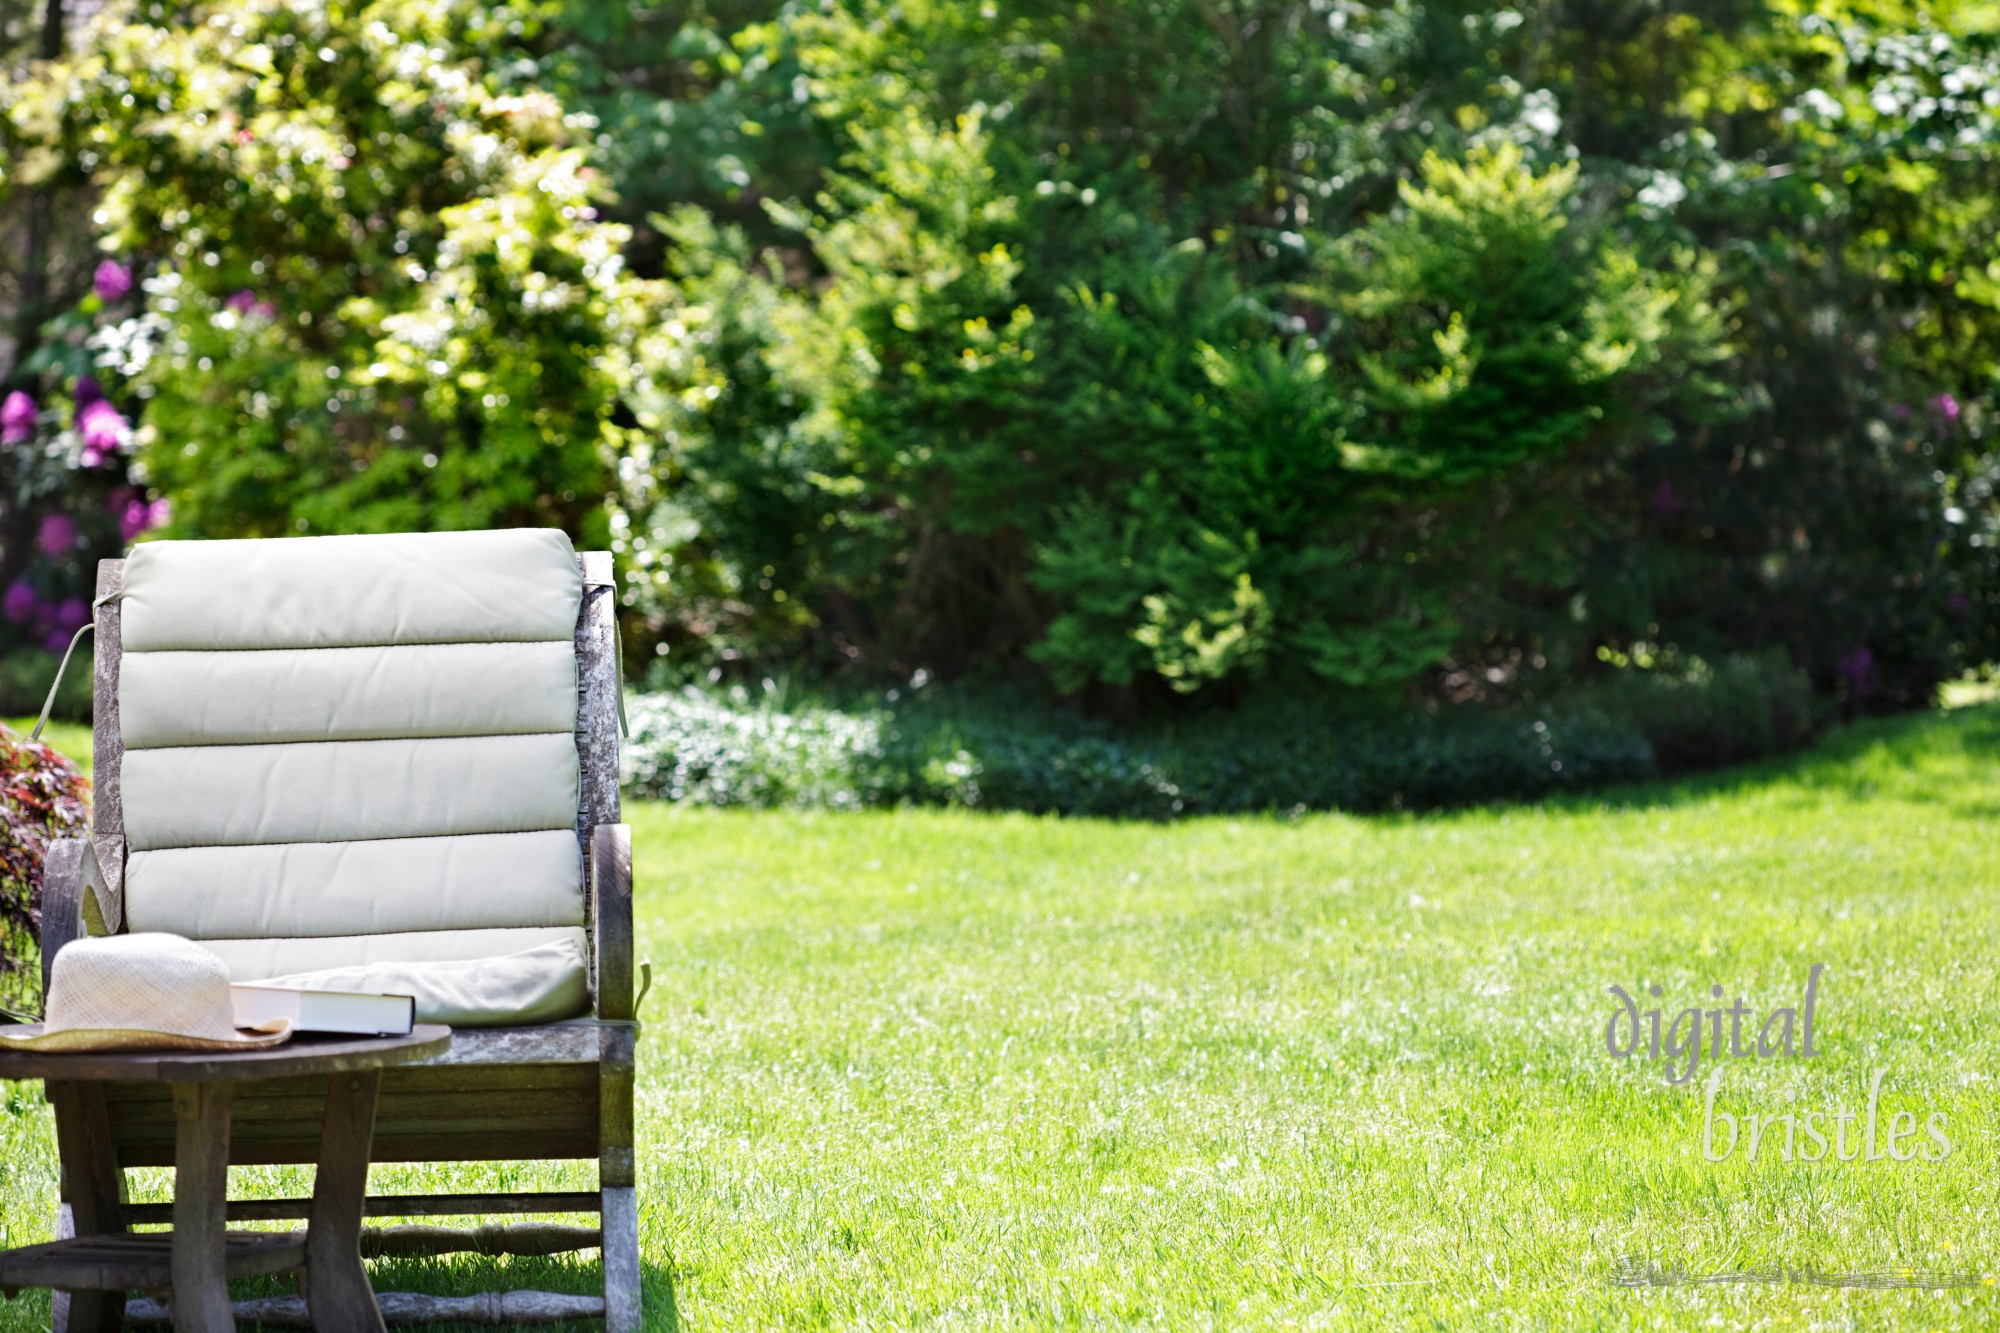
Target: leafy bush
point(42, 797)
point(1704, 716)
point(724, 750)
point(381, 296)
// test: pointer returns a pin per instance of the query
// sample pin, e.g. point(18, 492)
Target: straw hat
point(137, 993)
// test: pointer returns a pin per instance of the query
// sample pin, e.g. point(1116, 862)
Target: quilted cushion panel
point(342, 694)
point(515, 585)
point(358, 888)
point(344, 791)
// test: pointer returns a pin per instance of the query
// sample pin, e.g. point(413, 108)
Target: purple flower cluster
point(54, 621)
point(103, 429)
point(17, 418)
point(57, 534)
point(1857, 669)
point(113, 281)
point(247, 302)
point(101, 426)
point(39, 605)
point(136, 515)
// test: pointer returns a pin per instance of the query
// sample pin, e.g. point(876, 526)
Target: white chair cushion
point(349, 751)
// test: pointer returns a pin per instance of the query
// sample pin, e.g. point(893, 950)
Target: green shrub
point(1017, 427)
point(1706, 716)
point(726, 749)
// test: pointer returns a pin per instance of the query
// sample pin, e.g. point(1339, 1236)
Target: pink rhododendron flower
point(1857, 668)
point(71, 614)
point(113, 281)
point(247, 302)
point(20, 603)
point(1947, 406)
point(102, 427)
point(138, 517)
point(17, 418)
point(90, 457)
point(57, 534)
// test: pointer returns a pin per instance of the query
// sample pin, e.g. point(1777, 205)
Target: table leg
point(92, 1190)
point(337, 1290)
point(200, 1300)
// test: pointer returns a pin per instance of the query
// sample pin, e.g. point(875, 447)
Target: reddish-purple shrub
point(43, 796)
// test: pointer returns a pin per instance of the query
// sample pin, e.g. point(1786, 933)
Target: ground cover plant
point(774, 747)
point(945, 1070)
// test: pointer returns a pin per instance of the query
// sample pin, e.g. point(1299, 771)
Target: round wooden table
point(195, 1261)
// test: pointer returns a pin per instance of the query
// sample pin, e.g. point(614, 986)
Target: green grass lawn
point(952, 1071)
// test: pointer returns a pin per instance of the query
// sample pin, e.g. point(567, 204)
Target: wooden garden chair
point(354, 752)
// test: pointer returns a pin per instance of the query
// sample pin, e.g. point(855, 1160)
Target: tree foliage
point(1179, 347)
point(1192, 344)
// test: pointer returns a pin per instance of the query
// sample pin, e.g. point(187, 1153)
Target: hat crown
point(143, 982)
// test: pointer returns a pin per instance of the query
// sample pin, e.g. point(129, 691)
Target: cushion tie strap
point(55, 685)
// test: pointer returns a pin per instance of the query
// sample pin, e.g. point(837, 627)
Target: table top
point(303, 1054)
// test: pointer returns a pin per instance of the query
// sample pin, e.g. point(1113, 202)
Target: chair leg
point(622, 1308)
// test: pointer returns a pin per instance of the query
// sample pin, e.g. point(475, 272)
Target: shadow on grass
point(476, 1274)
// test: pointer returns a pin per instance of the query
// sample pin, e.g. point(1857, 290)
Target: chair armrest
point(610, 879)
point(83, 893)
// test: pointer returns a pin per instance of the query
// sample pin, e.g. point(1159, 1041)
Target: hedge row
point(736, 748)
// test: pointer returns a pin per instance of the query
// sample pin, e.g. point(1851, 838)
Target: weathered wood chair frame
point(556, 1091)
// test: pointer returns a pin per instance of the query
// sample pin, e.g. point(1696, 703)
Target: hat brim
point(33, 1038)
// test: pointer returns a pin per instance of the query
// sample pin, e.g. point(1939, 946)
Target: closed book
point(265, 1008)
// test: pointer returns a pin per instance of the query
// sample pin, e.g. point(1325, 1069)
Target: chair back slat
point(107, 742)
